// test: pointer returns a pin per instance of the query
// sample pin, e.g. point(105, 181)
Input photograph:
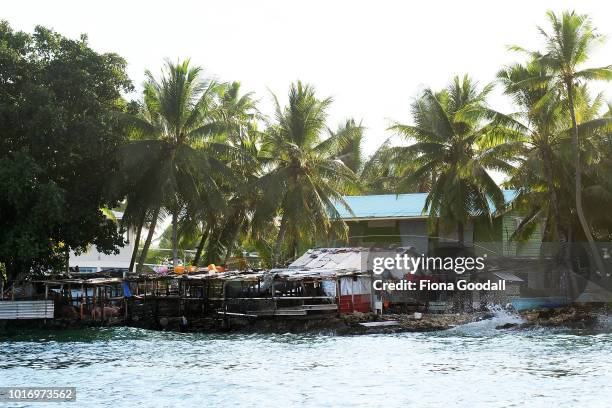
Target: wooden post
point(273, 288)
point(86, 297)
point(2, 289)
point(223, 291)
point(94, 293)
point(125, 307)
point(180, 297)
point(353, 294)
point(338, 294)
point(46, 296)
point(102, 300)
point(13, 292)
point(83, 294)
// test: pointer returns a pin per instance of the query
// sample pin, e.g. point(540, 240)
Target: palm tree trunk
point(212, 249)
point(147, 244)
point(198, 254)
point(174, 239)
point(279, 241)
point(460, 233)
point(559, 232)
point(137, 239)
point(231, 241)
point(578, 182)
point(552, 193)
point(294, 247)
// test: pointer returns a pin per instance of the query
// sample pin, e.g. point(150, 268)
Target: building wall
point(492, 239)
point(495, 239)
point(414, 233)
point(377, 232)
point(530, 248)
point(94, 261)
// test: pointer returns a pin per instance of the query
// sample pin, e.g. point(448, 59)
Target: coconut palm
point(175, 159)
point(453, 143)
point(305, 180)
point(349, 137)
point(596, 139)
point(236, 125)
point(568, 47)
point(383, 171)
point(544, 120)
point(541, 119)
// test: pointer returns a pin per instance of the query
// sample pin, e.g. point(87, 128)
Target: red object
point(355, 303)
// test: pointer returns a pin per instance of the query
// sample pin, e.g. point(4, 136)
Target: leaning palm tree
point(174, 157)
point(541, 119)
point(305, 180)
point(452, 142)
point(236, 125)
point(544, 120)
point(568, 47)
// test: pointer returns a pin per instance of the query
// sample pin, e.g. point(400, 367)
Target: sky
point(371, 57)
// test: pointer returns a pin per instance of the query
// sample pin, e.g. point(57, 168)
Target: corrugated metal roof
point(393, 205)
point(331, 258)
point(339, 259)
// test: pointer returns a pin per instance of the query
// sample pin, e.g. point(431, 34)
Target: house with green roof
point(400, 219)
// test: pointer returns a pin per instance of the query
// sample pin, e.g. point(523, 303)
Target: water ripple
point(474, 365)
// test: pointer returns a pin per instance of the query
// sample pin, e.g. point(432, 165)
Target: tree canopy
point(59, 101)
point(199, 151)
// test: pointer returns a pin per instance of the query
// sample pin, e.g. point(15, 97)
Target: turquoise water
point(471, 366)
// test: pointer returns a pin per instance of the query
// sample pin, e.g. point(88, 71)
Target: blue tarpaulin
point(126, 290)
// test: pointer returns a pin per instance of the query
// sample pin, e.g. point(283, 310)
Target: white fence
point(26, 309)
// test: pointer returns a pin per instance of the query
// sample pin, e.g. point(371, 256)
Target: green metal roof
point(394, 205)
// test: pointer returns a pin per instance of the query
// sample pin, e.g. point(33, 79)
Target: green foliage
point(562, 125)
point(306, 178)
point(59, 101)
point(235, 122)
point(200, 152)
point(187, 145)
point(454, 147)
point(32, 215)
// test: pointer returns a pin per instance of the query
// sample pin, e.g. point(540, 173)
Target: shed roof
point(393, 205)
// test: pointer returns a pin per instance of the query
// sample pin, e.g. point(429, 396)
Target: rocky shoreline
point(577, 317)
point(405, 323)
point(351, 324)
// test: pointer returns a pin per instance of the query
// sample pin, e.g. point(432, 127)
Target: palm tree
point(235, 125)
point(383, 171)
point(568, 46)
point(350, 138)
point(545, 122)
point(453, 144)
point(305, 180)
point(541, 119)
point(174, 156)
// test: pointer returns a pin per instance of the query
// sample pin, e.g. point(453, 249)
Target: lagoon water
point(470, 366)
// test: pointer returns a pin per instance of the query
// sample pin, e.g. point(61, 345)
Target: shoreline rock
point(572, 317)
point(569, 316)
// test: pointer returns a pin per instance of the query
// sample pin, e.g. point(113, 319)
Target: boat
point(522, 304)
